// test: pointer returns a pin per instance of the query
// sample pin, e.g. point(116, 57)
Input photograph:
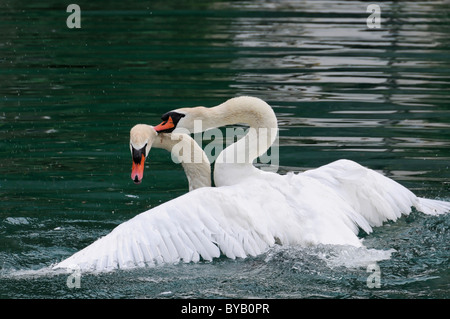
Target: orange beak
point(166, 125)
point(137, 170)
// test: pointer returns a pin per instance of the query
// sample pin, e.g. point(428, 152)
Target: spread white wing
point(327, 205)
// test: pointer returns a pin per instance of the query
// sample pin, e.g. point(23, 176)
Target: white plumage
point(252, 210)
point(327, 205)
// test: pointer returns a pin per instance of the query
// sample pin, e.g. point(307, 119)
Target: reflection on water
point(377, 86)
point(340, 90)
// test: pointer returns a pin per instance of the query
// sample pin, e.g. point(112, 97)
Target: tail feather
point(432, 206)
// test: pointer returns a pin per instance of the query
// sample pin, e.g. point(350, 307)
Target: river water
point(68, 98)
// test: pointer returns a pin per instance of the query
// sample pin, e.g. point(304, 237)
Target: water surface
point(68, 98)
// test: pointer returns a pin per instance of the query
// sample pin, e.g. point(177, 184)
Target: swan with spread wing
point(250, 210)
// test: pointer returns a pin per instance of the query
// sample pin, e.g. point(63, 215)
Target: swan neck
point(251, 111)
point(261, 134)
point(186, 151)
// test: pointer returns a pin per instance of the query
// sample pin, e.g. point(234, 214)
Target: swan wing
point(236, 221)
point(374, 196)
point(327, 205)
point(202, 224)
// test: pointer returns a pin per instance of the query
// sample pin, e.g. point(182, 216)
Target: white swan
point(372, 195)
point(251, 212)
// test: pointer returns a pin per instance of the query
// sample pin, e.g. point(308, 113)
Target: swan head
point(170, 121)
point(141, 140)
point(182, 120)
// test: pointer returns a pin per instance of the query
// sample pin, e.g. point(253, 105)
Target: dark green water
point(68, 98)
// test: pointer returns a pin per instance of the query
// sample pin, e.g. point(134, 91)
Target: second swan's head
point(141, 140)
point(242, 109)
point(183, 119)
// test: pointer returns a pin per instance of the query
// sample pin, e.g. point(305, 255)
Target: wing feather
point(321, 206)
point(188, 228)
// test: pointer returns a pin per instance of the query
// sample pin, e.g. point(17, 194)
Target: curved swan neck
point(186, 151)
point(236, 159)
point(243, 110)
point(239, 110)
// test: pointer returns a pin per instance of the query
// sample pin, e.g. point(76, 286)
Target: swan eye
point(137, 154)
point(170, 121)
point(175, 116)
